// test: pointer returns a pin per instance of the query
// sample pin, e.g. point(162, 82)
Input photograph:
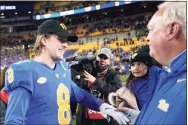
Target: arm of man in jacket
point(113, 84)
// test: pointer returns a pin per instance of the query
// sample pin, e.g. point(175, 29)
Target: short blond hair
point(174, 12)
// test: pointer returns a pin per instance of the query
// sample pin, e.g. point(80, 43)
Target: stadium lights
point(2, 14)
point(16, 13)
point(29, 11)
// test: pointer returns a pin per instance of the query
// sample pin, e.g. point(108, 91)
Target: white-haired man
point(167, 40)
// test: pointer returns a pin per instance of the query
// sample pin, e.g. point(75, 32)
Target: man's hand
point(108, 110)
point(89, 77)
point(130, 113)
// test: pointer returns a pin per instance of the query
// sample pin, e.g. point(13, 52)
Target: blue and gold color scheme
point(43, 94)
point(168, 96)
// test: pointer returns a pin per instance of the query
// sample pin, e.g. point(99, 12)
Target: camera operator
point(101, 83)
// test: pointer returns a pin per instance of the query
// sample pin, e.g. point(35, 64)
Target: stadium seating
point(89, 33)
point(10, 56)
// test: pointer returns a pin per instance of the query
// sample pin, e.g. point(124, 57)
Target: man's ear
point(44, 41)
point(173, 31)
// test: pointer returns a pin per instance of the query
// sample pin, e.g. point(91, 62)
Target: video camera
point(86, 62)
point(80, 63)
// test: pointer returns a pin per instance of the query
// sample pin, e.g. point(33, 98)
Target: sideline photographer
point(100, 84)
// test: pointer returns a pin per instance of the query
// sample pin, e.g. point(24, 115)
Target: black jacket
point(111, 83)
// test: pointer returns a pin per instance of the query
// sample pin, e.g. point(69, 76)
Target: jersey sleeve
point(19, 100)
point(15, 77)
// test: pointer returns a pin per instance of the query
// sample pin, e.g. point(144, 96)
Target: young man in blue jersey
point(167, 40)
point(40, 90)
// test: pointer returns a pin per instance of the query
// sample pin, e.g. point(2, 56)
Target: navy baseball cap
point(57, 28)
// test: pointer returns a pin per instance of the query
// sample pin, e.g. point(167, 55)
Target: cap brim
point(65, 34)
point(104, 54)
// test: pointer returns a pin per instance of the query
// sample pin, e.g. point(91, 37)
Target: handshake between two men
point(126, 110)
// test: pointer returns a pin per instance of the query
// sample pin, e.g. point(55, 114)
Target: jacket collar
point(179, 63)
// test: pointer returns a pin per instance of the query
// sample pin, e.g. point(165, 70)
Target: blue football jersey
point(41, 95)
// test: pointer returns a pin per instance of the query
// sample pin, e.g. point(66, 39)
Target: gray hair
point(175, 12)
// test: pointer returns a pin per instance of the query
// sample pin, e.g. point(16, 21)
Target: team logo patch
point(163, 105)
point(134, 55)
point(63, 26)
point(181, 80)
point(10, 75)
point(41, 80)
